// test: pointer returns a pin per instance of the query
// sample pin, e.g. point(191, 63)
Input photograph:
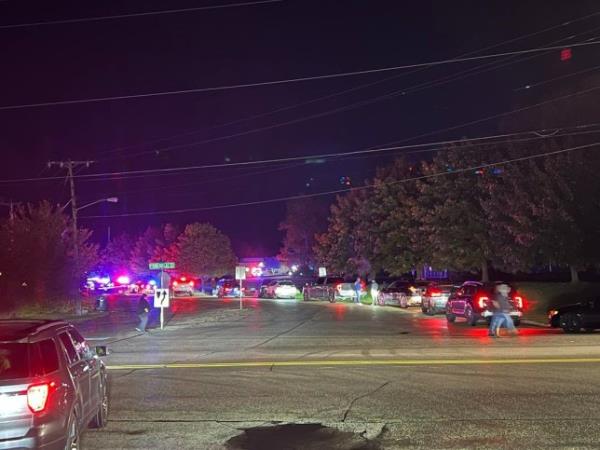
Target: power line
point(358, 87)
point(349, 107)
point(538, 135)
point(141, 14)
point(340, 191)
point(292, 80)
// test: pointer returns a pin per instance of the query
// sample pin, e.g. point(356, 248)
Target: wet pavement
point(380, 376)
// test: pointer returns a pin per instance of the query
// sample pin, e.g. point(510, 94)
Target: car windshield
point(14, 361)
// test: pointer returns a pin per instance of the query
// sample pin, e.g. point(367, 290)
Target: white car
point(279, 289)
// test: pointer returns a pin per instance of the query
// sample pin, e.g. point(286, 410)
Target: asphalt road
point(316, 375)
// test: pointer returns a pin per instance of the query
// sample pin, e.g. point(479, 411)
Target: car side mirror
point(101, 350)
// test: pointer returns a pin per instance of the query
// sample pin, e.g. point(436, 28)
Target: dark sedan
point(577, 317)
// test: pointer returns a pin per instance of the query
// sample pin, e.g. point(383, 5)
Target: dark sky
point(250, 44)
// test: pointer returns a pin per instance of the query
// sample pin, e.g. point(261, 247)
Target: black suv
point(52, 386)
point(473, 301)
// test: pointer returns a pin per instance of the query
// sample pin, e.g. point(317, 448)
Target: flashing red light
point(37, 396)
point(481, 301)
point(183, 279)
point(175, 283)
point(519, 301)
point(566, 54)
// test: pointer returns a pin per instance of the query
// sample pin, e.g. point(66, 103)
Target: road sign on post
point(162, 301)
point(240, 274)
point(322, 272)
point(161, 265)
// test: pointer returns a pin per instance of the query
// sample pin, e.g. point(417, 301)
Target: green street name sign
point(161, 265)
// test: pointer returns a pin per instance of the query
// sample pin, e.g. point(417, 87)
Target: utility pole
point(70, 165)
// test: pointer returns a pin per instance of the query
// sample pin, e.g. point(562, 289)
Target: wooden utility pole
point(69, 166)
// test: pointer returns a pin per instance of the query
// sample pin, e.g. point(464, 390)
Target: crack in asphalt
point(355, 399)
point(284, 332)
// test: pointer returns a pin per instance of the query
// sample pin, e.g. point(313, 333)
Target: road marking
point(364, 362)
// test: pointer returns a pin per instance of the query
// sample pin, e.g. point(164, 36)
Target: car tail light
point(338, 287)
point(482, 301)
point(175, 283)
point(518, 301)
point(435, 293)
point(183, 279)
point(37, 396)
point(191, 283)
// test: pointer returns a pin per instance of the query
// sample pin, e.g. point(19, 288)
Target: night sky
point(248, 44)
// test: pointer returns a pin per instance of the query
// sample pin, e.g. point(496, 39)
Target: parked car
point(279, 289)
point(402, 293)
point(473, 301)
point(52, 386)
point(577, 317)
point(183, 286)
point(227, 287)
point(435, 298)
point(324, 288)
point(251, 288)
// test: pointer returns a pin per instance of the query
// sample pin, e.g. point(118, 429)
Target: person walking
point(143, 311)
point(374, 291)
point(501, 314)
point(357, 289)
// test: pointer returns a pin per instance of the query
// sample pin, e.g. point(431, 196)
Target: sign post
point(161, 300)
point(161, 295)
point(240, 274)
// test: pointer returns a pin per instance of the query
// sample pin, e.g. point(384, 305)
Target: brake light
point(183, 279)
point(435, 293)
point(37, 396)
point(518, 301)
point(481, 301)
point(191, 283)
point(175, 283)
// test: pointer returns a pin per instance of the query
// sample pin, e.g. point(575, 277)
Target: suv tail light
point(37, 396)
point(482, 301)
point(435, 293)
point(518, 301)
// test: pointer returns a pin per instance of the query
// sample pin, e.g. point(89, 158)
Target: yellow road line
point(362, 362)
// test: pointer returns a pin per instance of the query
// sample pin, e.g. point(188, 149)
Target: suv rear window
point(14, 361)
point(45, 358)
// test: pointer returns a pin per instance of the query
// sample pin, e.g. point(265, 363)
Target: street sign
point(240, 273)
point(161, 265)
point(322, 272)
point(161, 298)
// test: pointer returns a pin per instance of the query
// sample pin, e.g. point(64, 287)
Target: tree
point(547, 207)
point(344, 247)
point(154, 244)
point(453, 223)
point(204, 251)
point(303, 220)
point(37, 253)
point(117, 253)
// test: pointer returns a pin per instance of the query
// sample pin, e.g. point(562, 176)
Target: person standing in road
point(143, 311)
point(501, 314)
point(357, 289)
point(374, 291)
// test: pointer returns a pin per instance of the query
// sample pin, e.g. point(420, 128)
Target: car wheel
point(450, 317)
point(73, 434)
point(571, 323)
point(101, 418)
point(470, 316)
point(403, 301)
